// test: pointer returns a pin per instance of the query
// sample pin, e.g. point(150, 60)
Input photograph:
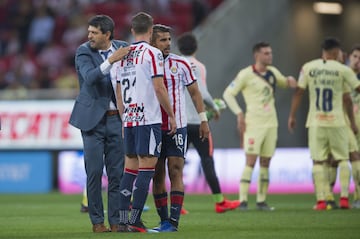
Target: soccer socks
point(161, 204)
point(332, 171)
point(245, 183)
point(126, 187)
point(176, 200)
point(141, 190)
point(263, 184)
point(218, 197)
point(344, 175)
point(330, 177)
point(318, 173)
point(355, 166)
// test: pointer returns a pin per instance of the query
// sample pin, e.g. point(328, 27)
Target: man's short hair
point(104, 23)
point(141, 23)
point(161, 28)
point(355, 47)
point(330, 43)
point(187, 44)
point(260, 45)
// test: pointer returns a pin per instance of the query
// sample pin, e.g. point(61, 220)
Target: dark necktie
point(106, 54)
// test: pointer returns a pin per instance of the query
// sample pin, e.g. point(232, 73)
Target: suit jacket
point(95, 88)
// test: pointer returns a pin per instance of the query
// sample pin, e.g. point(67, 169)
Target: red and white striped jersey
point(135, 73)
point(178, 75)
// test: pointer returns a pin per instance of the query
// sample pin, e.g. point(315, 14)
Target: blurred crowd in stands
point(38, 38)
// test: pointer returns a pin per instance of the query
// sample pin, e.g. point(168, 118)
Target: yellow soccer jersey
point(258, 95)
point(355, 96)
point(326, 81)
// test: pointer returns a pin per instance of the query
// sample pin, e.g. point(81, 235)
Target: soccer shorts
point(260, 141)
point(325, 140)
point(143, 140)
point(353, 145)
point(174, 145)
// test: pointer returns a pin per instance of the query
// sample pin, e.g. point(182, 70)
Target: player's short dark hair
point(330, 43)
point(187, 43)
point(160, 28)
point(104, 23)
point(355, 47)
point(260, 45)
point(141, 22)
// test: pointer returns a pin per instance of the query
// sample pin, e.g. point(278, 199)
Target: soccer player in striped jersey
point(140, 89)
point(326, 80)
point(187, 45)
point(258, 131)
point(178, 77)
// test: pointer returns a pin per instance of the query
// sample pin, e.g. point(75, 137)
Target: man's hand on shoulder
point(119, 54)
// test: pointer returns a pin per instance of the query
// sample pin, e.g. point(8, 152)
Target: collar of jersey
point(138, 42)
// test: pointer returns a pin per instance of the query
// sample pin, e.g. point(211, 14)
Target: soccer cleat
point(226, 205)
point(165, 226)
point(344, 203)
point(356, 204)
point(331, 204)
point(262, 206)
point(84, 209)
point(243, 206)
point(184, 211)
point(320, 206)
point(139, 227)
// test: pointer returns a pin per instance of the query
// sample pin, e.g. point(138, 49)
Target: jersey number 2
point(126, 83)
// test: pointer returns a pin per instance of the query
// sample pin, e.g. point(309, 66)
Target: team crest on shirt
point(174, 70)
point(160, 57)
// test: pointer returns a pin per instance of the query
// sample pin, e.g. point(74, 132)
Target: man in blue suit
point(95, 114)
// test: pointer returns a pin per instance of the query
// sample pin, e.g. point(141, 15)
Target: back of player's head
point(141, 23)
point(260, 45)
point(104, 23)
point(330, 43)
point(187, 44)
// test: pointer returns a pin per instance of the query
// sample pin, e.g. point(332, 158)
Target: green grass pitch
point(57, 216)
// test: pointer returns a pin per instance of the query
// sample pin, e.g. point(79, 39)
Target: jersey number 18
point(326, 95)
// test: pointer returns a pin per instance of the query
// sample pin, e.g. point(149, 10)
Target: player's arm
point(283, 81)
point(163, 98)
point(291, 82)
point(229, 96)
point(348, 105)
point(195, 94)
point(119, 102)
point(295, 103)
